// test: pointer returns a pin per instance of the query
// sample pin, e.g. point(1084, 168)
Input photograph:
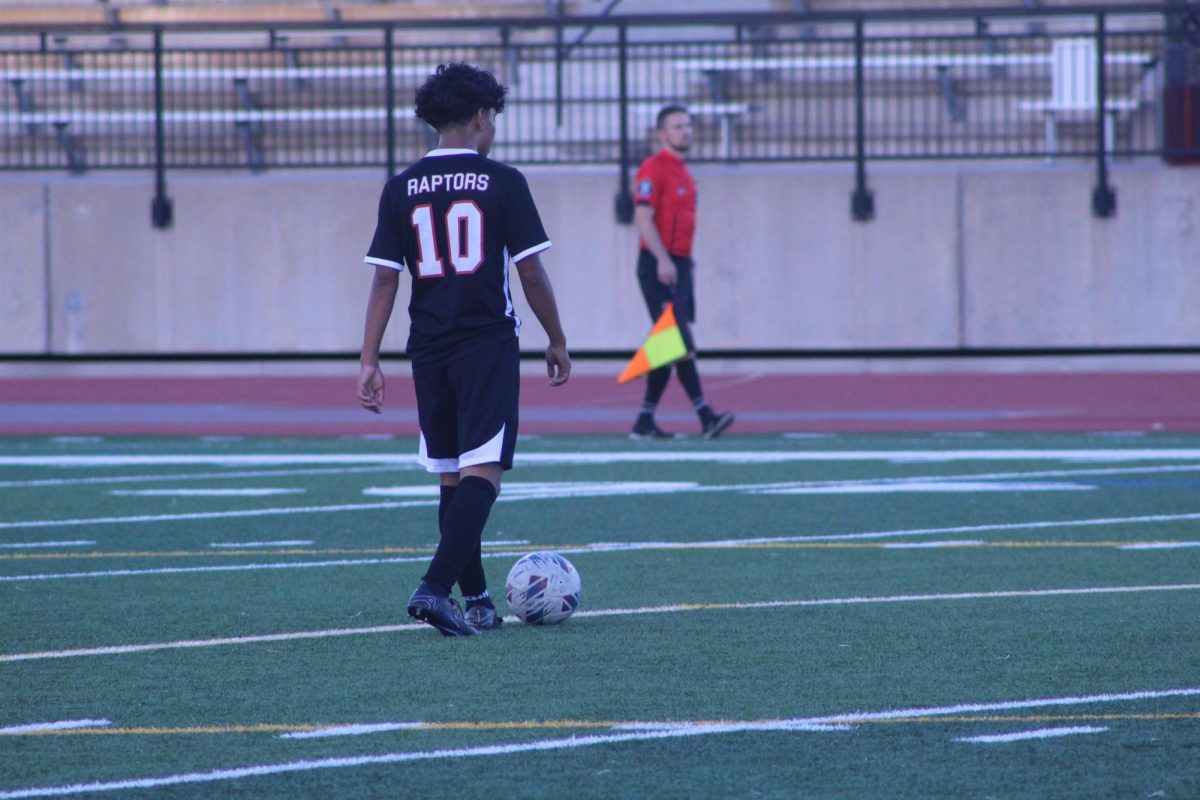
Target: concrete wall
point(975, 255)
point(23, 268)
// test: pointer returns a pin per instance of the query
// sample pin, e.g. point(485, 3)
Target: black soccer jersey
point(457, 219)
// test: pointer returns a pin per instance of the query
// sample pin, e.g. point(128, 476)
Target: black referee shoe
point(643, 431)
point(717, 425)
point(439, 611)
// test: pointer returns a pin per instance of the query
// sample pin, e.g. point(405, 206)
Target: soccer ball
point(542, 589)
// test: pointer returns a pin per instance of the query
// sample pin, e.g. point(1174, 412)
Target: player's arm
point(379, 311)
point(643, 220)
point(540, 296)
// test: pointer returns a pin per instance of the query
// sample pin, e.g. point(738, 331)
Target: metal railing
point(1101, 83)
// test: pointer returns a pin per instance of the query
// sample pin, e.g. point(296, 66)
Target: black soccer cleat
point(649, 431)
point(439, 611)
point(717, 425)
point(483, 618)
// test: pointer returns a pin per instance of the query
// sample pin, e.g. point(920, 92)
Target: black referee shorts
point(657, 294)
point(468, 409)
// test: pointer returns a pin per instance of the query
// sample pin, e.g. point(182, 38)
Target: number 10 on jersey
point(464, 237)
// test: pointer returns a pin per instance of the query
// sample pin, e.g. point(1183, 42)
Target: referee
point(665, 217)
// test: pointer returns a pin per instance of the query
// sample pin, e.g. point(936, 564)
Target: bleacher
point(116, 13)
point(304, 83)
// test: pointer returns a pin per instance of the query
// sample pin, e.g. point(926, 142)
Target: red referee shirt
point(664, 183)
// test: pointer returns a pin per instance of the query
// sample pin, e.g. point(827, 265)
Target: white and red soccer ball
point(542, 589)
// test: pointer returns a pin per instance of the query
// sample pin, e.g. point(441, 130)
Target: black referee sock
point(689, 376)
point(462, 529)
point(656, 384)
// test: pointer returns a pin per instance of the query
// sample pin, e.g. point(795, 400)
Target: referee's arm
point(643, 220)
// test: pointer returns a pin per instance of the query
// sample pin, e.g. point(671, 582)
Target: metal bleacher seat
point(1074, 89)
point(265, 12)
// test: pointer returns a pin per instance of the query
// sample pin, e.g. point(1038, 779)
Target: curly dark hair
point(455, 93)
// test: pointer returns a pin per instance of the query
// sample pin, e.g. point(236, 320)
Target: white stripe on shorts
point(485, 454)
point(434, 464)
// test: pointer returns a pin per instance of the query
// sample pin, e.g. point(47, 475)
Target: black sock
point(689, 376)
point(472, 581)
point(482, 599)
point(447, 497)
point(462, 529)
point(656, 384)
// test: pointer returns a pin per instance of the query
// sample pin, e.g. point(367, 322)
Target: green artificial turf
point(722, 602)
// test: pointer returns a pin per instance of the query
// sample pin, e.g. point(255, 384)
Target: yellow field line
point(382, 551)
point(524, 725)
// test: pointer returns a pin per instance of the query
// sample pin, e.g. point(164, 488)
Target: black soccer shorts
point(468, 409)
point(657, 294)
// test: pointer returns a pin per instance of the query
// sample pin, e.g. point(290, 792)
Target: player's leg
point(472, 582)
point(656, 296)
point(436, 412)
point(487, 386)
point(712, 423)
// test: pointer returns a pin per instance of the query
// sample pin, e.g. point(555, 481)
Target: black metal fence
point(1115, 82)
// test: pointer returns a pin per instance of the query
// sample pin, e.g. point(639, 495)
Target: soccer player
point(665, 217)
point(457, 220)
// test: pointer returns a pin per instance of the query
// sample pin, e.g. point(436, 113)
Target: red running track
point(1108, 401)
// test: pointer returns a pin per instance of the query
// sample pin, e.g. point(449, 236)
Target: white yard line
point(1006, 705)
point(930, 487)
point(257, 512)
point(201, 476)
point(977, 476)
point(121, 573)
point(611, 612)
point(408, 467)
point(1020, 736)
point(203, 492)
point(195, 643)
point(601, 547)
point(24, 545)
point(1159, 546)
point(550, 491)
point(64, 725)
point(544, 491)
point(813, 724)
point(1117, 455)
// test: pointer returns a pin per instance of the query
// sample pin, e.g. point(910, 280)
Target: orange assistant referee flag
point(663, 346)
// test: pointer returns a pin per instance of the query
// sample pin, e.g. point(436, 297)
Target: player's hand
point(666, 272)
point(558, 364)
point(370, 388)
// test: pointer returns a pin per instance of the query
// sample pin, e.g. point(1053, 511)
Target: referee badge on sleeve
point(645, 187)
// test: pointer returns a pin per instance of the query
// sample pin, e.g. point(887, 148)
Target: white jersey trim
point(529, 251)
point(451, 151)
point(383, 262)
